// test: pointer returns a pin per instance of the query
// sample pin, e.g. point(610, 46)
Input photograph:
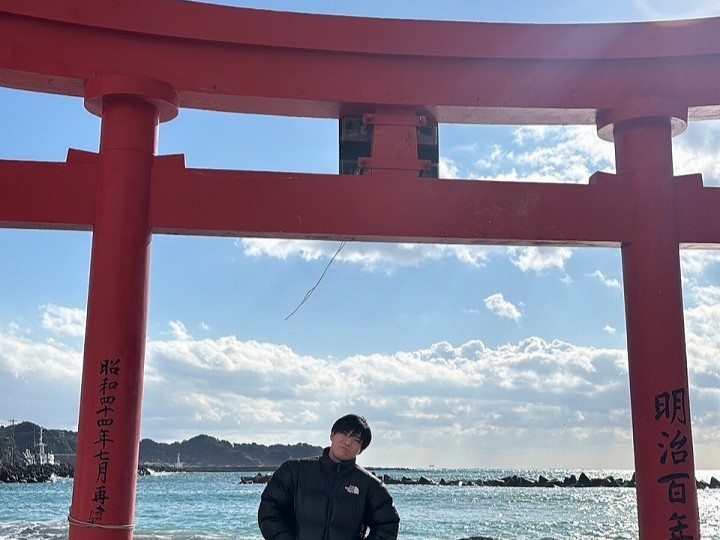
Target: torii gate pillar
point(664, 462)
point(103, 502)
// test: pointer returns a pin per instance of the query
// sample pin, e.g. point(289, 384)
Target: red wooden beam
point(696, 213)
point(293, 205)
point(385, 208)
point(230, 59)
point(49, 195)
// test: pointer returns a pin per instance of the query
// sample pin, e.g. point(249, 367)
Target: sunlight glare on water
point(217, 506)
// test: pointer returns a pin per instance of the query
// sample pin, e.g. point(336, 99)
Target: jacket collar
point(329, 465)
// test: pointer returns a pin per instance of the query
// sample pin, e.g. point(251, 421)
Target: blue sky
point(459, 356)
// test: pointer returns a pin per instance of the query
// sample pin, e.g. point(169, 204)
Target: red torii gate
point(137, 62)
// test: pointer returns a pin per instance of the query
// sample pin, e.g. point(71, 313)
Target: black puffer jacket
point(317, 499)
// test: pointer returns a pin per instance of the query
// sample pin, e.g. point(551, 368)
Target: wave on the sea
point(59, 531)
point(186, 535)
point(153, 472)
point(33, 531)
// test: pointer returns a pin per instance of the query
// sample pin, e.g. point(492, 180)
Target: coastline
point(31, 474)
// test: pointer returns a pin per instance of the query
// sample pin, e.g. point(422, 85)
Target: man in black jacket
point(329, 497)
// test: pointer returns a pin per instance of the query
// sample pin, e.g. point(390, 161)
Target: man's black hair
point(354, 424)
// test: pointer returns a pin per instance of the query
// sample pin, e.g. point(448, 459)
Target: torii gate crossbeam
point(137, 62)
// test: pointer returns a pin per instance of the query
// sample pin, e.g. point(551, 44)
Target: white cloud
point(371, 256)
point(282, 249)
point(67, 321)
point(502, 308)
point(234, 388)
point(265, 371)
point(447, 168)
point(696, 261)
point(178, 331)
point(14, 329)
point(702, 320)
point(484, 396)
point(385, 257)
point(568, 154)
point(609, 329)
point(538, 259)
point(695, 151)
point(495, 157)
point(39, 381)
point(608, 282)
point(21, 357)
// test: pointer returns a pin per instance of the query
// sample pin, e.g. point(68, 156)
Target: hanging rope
point(312, 290)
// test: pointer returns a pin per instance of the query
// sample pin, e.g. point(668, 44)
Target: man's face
point(344, 446)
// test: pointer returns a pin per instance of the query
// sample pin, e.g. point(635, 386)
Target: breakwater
point(38, 474)
point(34, 474)
point(571, 481)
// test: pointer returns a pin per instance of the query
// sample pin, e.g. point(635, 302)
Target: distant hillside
point(204, 450)
point(201, 451)
point(26, 435)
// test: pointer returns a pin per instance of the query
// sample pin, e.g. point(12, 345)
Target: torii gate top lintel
point(215, 57)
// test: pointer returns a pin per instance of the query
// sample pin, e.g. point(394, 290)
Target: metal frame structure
point(137, 62)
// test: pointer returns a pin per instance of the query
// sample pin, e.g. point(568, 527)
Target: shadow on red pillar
point(664, 461)
point(103, 502)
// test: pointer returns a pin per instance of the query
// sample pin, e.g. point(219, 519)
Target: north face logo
point(352, 489)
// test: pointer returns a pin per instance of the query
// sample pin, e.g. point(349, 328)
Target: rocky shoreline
point(572, 481)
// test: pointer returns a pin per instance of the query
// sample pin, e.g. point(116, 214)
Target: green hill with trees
point(199, 451)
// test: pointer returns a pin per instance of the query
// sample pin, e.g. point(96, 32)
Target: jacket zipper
point(336, 487)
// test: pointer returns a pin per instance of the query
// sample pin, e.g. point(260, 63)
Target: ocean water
point(216, 506)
